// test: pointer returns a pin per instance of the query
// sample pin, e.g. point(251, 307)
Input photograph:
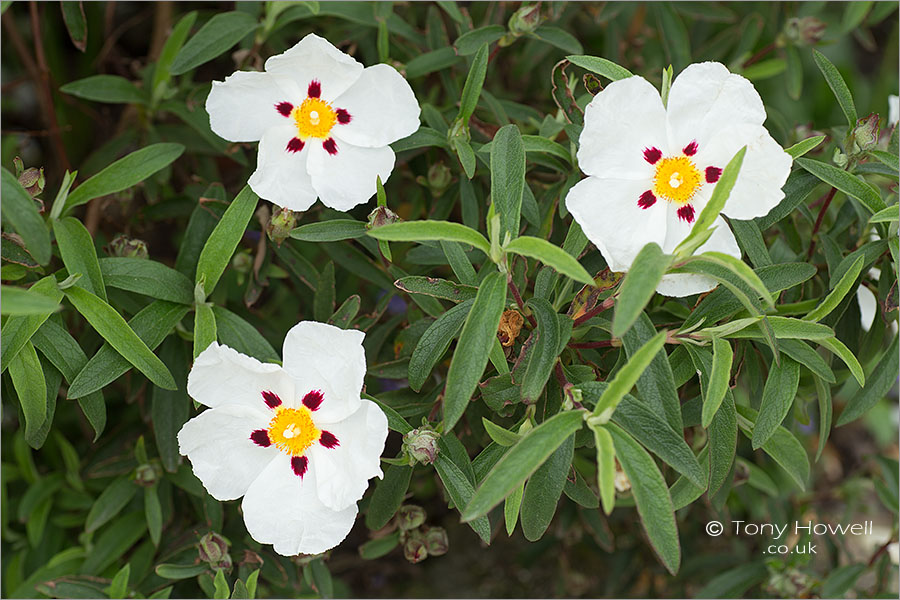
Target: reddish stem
point(599, 344)
point(822, 211)
point(605, 305)
point(519, 302)
point(759, 55)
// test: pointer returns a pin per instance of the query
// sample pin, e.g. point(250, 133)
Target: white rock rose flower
point(652, 168)
point(297, 442)
point(322, 120)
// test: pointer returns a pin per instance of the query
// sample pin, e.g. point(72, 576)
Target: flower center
point(314, 118)
point(292, 430)
point(676, 179)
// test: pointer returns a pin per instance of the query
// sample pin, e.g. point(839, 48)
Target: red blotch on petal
point(330, 146)
point(299, 464)
point(686, 213)
point(272, 400)
point(284, 108)
point(690, 149)
point(313, 399)
point(315, 89)
point(343, 116)
point(328, 440)
point(260, 437)
point(647, 200)
point(713, 174)
point(651, 155)
point(295, 145)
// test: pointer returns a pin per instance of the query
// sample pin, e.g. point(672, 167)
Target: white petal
point(343, 472)
point(608, 212)
point(765, 168)
point(315, 58)
point(687, 284)
point(347, 178)
point(222, 455)
point(242, 107)
point(893, 111)
point(326, 358)
point(382, 107)
point(705, 99)
point(622, 121)
point(223, 376)
point(281, 176)
point(283, 509)
point(868, 306)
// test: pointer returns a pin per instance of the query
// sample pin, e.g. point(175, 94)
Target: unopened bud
point(439, 179)
point(280, 225)
point(242, 262)
point(410, 516)
point(127, 247)
point(146, 475)
point(865, 134)
point(525, 20)
point(414, 549)
point(213, 549)
point(622, 483)
point(804, 31)
point(32, 180)
point(421, 445)
point(436, 541)
point(382, 215)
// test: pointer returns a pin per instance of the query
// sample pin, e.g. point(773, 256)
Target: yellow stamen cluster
point(677, 179)
point(314, 118)
point(292, 430)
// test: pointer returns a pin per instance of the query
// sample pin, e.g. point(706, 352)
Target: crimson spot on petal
point(686, 213)
point(651, 155)
point(313, 399)
point(271, 398)
point(343, 116)
point(647, 200)
point(690, 149)
point(328, 440)
point(315, 89)
point(284, 108)
point(330, 146)
point(713, 174)
point(299, 465)
point(295, 145)
point(260, 437)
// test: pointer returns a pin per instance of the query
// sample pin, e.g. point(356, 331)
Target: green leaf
point(841, 580)
point(501, 436)
point(511, 507)
point(783, 447)
point(521, 461)
point(651, 495)
point(656, 385)
point(626, 377)
point(110, 503)
point(170, 409)
point(718, 380)
point(105, 88)
point(805, 355)
point(606, 467)
point(833, 299)
point(220, 585)
point(174, 42)
point(838, 348)
point(204, 328)
point(113, 328)
point(558, 37)
point(323, 300)
point(508, 178)
point(425, 231)
point(777, 399)
point(20, 211)
point(234, 331)
point(804, 146)
point(222, 242)
point(735, 582)
point(346, 312)
point(543, 489)
point(474, 81)
point(550, 255)
point(378, 547)
point(16, 331)
point(125, 173)
point(466, 156)
point(741, 270)
point(76, 25)
point(639, 286)
point(786, 328)
point(849, 184)
point(600, 66)
point(216, 36)
point(437, 288)
point(475, 342)
point(388, 496)
point(434, 343)
point(170, 571)
point(838, 86)
point(31, 387)
point(147, 277)
point(473, 41)
point(876, 388)
point(330, 231)
point(461, 492)
point(887, 215)
point(118, 587)
point(544, 350)
point(19, 302)
point(76, 247)
point(429, 62)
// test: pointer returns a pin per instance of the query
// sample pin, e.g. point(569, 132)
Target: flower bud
point(414, 549)
point(525, 20)
point(31, 179)
point(410, 516)
point(421, 445)
point(213, 549)
point(865, 134)
point(436, 541)
point(242, 262)
point(146, 475)
point(622, 483)
point(280, 225)
point(382, 215)
point(804, 31)
point(439, 179)
point(127, 247)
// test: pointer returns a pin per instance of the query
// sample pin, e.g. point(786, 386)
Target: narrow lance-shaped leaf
point(474, 81)
point(778, 397)
point(20, 211)
point(638, 287)
point(606, 467)
point(20, 302)
point(77, 250)
point(216, 36)
point(543, 490)
point(544, 351)
point(600, 66)
point(850, 184)
point(224, 239)
point(460, 490)
point(31, 387)
point(718, 379)
point(204, 327)
point(508, 178)
point(837, 85)
point(424, 231)
point(877, 386)
point(626, 377)
point(550, 255)
point(833, 299)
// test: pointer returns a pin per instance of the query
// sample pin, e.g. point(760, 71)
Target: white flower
point(893, 109)
point(322, 120)
point(296, 442)
point(651, 169)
